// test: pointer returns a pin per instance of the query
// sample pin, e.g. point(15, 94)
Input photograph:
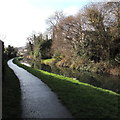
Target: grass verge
point(83, 100)
point(11, 95)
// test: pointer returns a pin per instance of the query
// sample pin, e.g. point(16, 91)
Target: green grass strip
point(47, 61)
point(11, 94)
point(82, 100)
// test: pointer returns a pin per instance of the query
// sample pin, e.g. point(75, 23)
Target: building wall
point(1, 57)
point(0, 60)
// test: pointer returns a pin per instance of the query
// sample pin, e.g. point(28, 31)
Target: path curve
point(38, 101)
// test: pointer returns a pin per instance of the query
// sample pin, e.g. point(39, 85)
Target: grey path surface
point(38, 101)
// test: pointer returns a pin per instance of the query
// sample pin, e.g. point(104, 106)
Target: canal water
point(105, 81)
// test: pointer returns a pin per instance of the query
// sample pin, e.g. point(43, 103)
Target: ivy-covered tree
point(38, 48)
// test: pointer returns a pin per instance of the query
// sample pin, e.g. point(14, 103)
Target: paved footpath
point(38, 101)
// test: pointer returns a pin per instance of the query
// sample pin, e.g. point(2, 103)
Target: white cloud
point(103, 0)
point(71, 10)
point(19, 19)
point(53, 1)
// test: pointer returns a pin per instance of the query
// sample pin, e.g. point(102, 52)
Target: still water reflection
point(100, 80)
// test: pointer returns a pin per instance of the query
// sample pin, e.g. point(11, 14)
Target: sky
point(20, 18)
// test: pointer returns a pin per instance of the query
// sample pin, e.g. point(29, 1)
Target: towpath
point(38, 101)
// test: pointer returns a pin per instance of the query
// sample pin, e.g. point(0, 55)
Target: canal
point(105, 81)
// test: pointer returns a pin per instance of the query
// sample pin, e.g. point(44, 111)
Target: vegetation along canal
point(100, 80)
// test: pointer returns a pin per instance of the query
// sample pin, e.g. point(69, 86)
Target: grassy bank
point(83, 100)
point(11, 94)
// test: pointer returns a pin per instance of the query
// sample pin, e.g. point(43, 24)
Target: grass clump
point(82, 99)
point(11, 94)
point(48, 61)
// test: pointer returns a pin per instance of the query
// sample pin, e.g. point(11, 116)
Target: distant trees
point(92, 33)
point(10, 52)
